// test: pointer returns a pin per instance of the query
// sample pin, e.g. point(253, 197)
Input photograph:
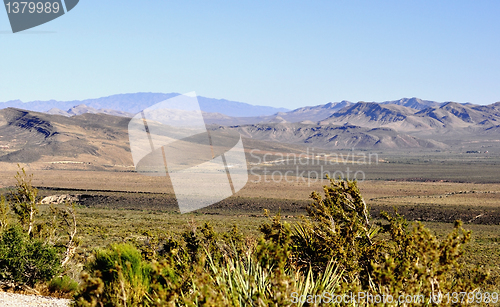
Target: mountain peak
point(414, 103)
point(451, 104)
point(336, 105)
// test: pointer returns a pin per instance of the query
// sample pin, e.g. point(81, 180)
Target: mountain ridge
point(405, 123)
point(136, 102)
point(98, 141)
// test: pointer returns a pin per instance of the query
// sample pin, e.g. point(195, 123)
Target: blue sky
point(278, 53)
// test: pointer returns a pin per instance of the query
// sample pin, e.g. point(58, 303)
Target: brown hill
point(91, 140)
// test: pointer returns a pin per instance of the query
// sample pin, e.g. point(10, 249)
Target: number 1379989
point(32, 7)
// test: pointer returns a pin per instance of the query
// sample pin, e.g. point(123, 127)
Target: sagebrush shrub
point(24, 260)
point(119, 277)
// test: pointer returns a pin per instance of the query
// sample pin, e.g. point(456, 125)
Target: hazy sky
point(278, 53)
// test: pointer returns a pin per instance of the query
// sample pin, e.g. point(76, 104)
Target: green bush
point(24, 260)
point(118, 277)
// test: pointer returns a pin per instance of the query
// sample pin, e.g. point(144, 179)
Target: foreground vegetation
point(336, 248)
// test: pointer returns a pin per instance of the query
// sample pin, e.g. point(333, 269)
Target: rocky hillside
point(88, 139)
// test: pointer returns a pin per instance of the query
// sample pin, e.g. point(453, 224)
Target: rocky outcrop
point(60, 199)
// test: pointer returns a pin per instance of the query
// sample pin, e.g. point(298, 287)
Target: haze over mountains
point(134, 103)
point(96, 133)
point(406, 114)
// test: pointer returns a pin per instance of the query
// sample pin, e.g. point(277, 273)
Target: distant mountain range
point(449, 115)
point(126, 104)
point(99, 141)
point(96, 131)
point(380, 125)
point(406, 114)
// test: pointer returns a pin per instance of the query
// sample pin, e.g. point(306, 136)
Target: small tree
point(64, 229)
point(337, 227)
point(24, 199)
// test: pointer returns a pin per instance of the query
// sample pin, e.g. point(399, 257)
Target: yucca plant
point(327, 281)
point(241, 280)
point(245, 282)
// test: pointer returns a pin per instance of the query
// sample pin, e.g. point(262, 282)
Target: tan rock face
point(60, 199)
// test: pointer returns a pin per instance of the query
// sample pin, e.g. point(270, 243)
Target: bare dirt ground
point(21, 300)
point(426, 201)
